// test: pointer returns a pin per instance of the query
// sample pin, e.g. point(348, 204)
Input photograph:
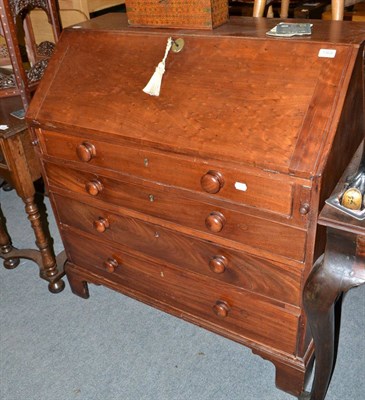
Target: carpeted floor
point(110, 347)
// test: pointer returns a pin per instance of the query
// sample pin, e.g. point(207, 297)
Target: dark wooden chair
point(19, 166)
point(259, 8)
point(28, 59)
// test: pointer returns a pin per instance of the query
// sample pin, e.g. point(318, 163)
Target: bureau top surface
point(231, 94)
point(323, 31)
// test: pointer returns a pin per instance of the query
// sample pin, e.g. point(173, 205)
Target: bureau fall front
point(202, 201)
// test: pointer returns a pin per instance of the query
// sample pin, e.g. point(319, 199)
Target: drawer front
point(236, 268)
point(171, 205)
point(201, 300)
point(240, 187)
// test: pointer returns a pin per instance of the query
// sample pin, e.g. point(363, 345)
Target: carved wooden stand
point(19, 167)
point(44, 257)
point(341, 268)
point(18, 164)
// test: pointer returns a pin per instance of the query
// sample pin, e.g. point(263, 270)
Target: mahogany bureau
point(203, 201)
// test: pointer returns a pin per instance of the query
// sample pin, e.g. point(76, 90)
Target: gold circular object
point(352, 199)
point(178, 45)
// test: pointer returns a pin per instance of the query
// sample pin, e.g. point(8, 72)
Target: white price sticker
point(240, 186)
point(327, 53)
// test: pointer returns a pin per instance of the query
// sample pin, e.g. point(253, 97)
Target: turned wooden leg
point(5, 245)
point(49, 265)
point(284, 9)
point(51, 269)
point(329, 279)
point(338, 7)
point(259, 8)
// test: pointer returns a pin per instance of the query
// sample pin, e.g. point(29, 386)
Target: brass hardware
point(145, 162)
point(177, 45)
point(352, 199)
point(151, 197)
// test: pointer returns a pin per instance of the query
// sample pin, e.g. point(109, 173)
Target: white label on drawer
point(3, 127)
point(240, 186)
point(327, 53)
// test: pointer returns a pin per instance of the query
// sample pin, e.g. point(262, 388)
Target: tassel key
point(153, 87)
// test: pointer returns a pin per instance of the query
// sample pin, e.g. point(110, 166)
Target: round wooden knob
point(85, 151)
point(212, 182)
point(215, 221)
point(304, 209)
point(101, 224)
point(94, 187)
point(111, 264)
point(218, 264)
point(221, 308)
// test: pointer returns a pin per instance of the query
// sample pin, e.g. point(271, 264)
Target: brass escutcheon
point(177, 45)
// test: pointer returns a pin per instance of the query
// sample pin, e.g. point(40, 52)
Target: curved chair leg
point(321, 292)
point(329, 279)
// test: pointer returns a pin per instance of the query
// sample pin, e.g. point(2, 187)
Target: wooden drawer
point(263, 191)
point(173, 206)
point(265, 277)
point(192, 297)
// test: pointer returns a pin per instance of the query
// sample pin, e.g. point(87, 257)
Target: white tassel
point(154, 85)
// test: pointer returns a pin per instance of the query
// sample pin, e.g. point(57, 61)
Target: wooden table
point(341, 268)
point(19, 166)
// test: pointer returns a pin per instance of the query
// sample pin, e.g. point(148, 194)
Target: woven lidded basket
point(195, 14)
